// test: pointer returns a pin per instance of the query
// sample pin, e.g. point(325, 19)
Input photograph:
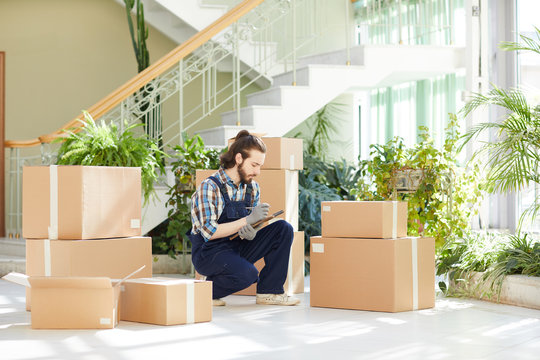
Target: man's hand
point(247, 232)
point(258, 213)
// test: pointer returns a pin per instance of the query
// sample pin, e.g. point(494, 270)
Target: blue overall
point(229, 263)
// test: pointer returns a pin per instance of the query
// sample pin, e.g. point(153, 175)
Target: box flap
point(164, 281)
point(17, 278)
point(77, 282)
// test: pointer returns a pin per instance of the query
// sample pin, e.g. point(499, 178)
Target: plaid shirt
point(207, 203)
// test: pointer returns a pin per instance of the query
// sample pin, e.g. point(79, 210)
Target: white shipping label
point(317, 248)
point(105, 321)
point(327, 208)
point(291, 162)
point(135, 223)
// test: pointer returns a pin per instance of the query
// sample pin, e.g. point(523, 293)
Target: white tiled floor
point(454, 329)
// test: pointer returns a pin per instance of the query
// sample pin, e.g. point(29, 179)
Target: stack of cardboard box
point(365, 261)
point(278, 183)
point(83, 228)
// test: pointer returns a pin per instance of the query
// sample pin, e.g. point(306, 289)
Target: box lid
point(73, 282)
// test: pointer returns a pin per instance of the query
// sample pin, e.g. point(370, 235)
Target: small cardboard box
point(388, 275)
point(282, 153)
point(166, 301)
point(72, 302)
point(364, 219)
point(279, 188)
point(111, 258)
point(81, 202)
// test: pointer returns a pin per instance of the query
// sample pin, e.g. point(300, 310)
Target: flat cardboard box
point(81, 202)
point(364, 219)
point(111, 258)
point(166, 301)
point(389, 275)
point(279, 188)
point(72, 302)
point(282, 153)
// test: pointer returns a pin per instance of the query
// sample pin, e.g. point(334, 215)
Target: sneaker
point(276, 299)
point(218, 302)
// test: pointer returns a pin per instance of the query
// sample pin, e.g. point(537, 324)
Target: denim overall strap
point(232, 210)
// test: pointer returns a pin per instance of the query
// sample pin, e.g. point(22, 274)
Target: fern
point(105, 145)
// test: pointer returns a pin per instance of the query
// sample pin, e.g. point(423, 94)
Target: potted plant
point(170, 238)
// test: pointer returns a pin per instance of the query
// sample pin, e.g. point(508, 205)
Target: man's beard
point(243, 176)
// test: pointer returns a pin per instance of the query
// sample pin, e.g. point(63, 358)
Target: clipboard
point(260, 222)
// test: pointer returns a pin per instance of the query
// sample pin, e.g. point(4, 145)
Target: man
point(228, 203)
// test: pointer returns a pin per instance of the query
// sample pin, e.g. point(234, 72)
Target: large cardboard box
point(388, 275)
point(282, 153)
point(71, 302)
point(81, 202)
point(279, 188)
point(364, 219)
point(74, 303)
point(166, 301)
point(111, 258)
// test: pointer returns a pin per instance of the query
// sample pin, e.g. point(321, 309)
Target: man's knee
point(248, 277)
point(286, 230)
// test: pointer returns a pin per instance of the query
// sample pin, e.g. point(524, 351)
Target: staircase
point(320, 78)
point(239, 48)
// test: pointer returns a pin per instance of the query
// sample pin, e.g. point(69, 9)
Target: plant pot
point(164, 264)
point(518, 290)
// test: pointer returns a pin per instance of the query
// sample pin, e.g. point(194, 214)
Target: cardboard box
point(364, 219)
point(111, 258)
point(81, 202)
point(279, 188)
point(72, 302)
point(282, 153)
point(166, 301)
point(388, 275)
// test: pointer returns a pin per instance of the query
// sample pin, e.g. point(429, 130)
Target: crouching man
point(228, 203)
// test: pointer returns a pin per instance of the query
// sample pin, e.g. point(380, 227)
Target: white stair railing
point(213, 78)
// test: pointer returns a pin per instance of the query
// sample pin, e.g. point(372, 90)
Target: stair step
point(218, 136)
point(12, 264)
point(275, 96)
point(12, 247)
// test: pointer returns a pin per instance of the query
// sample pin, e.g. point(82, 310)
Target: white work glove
point(247, 232)
point(258, 213)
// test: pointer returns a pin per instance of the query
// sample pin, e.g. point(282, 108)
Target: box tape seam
point(414, 250)
point(394, 219)
point(291, 162)
point(53, 202)
point(47, 256)
point(190, 303)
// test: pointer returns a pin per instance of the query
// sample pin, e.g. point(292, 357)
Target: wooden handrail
point(147, 75)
